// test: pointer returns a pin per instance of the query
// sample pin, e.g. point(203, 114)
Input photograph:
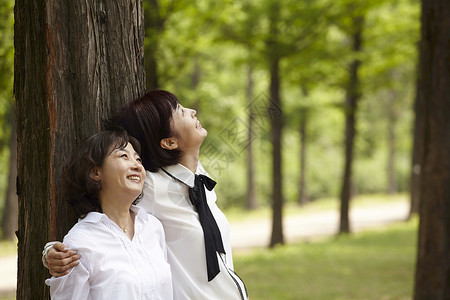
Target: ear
point(170, 143)
point(96, 174)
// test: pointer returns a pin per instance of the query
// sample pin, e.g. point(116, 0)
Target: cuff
point(45, 251)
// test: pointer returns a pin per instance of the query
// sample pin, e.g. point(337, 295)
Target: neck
point(190, 160)
point(118, 212)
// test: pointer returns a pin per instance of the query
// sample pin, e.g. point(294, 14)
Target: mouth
point(198, 125)
point(135, 178)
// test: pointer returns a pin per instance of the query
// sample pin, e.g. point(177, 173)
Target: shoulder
point(147, 218)
point(153, 179)
point(78, 237)
point(85, 232)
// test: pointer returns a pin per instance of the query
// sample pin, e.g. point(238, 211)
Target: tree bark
point(351, 101)
point(432, 280)
point(251, 202)
point(75, 63)
point(11, 209)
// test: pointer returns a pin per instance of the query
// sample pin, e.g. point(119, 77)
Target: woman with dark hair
point(178, 192)
point(122, 248)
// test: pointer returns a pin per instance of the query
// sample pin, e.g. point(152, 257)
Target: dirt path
point(252, 234)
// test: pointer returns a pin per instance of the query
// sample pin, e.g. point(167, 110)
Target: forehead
point(127, 148)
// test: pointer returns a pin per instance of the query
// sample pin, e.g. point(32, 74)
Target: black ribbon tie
point(211, 232)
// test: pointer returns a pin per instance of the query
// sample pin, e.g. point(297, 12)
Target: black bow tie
point(211, 232)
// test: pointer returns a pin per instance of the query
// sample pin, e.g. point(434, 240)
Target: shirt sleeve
point(74, 285)
point(148, 194)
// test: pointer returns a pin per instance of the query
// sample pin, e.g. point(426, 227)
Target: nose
point(193, 112)
point(137, 166)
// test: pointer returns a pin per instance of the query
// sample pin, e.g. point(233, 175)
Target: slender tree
point(353, 95)
point(392, 141)
point(75, 62)
point(302, 185)
point(416, 155)
point(7, 132)
point(433, 257)
point(251, 202)
point(11, 208)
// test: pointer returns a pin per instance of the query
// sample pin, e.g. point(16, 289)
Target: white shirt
point(112, 266)
point(168, 200)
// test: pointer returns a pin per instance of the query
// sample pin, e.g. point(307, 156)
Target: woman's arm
point(60, 259)
point(75, 285)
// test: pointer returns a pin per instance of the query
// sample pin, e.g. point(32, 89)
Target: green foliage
point(371, 265)
point(203, 50)
point(203, 58)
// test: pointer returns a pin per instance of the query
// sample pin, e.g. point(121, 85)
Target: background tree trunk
point(417, 153)
point(75, 62)
point(392, 141)
point(276, 131)
point(302, 190)
point(154, 26)
point(11, 209)
point(251, 202)
point(433, 258)
point(351, 101)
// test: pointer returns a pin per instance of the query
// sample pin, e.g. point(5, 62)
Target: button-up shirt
point(111, 265)
point(168, 200)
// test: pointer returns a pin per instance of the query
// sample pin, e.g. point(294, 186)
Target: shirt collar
point(95, 217)
point(182, 173)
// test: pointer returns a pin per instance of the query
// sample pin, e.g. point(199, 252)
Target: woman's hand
point(60, 260)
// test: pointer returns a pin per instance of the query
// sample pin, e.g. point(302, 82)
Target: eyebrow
point(123, 149)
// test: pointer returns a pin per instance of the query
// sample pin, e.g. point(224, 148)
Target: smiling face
point(187, 129)
point(121, 175)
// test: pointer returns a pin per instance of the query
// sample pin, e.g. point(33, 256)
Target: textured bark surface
point(75, 62)
point(433, 259)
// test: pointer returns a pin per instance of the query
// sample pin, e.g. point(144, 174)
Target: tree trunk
point(416, 154)
point(351, 101)
point(195, 81)
point(276, 131)
point(11, 209)
point(432, 280)
point(154, 25)
point(75, 62)
point(302, 194)
point(251, 202)
point(392, 139)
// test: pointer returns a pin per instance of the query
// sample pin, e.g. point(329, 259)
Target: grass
point(376, 265)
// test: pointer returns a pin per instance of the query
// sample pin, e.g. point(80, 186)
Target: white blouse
point(112, 266)
point(168, 200)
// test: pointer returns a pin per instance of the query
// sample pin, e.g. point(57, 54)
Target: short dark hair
point(149, 119)
point(78, 187)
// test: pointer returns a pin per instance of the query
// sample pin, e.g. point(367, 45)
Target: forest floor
point(254, 232)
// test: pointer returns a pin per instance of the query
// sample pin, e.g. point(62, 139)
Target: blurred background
point(317, 96)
